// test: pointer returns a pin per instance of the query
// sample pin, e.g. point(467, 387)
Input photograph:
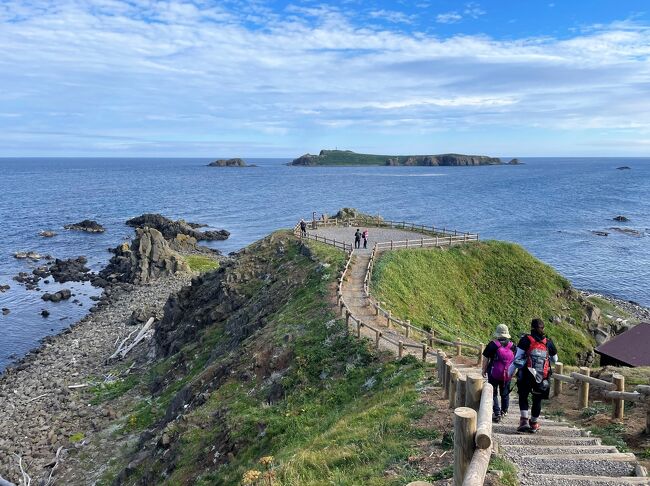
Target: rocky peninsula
point(349, 158)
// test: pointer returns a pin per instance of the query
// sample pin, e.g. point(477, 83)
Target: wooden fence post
point(377, 338)
point(448, 367)
point(583, 392)
point(484, 420)
point(481, 347)
point(424, 353)
point(430, 340)
point(440, 365)
point(557, 384)
point(452, 388)
point(473, 391)
point(461, 388)
point(400, 349)
point(388, 318)
point(408, 327)
point(347, 317)
point(464, 430)
point(359, 329)
point(459, 347)
point(619, 404)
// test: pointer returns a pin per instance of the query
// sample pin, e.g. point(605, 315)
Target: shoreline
point(38, 411)
point(638, 311)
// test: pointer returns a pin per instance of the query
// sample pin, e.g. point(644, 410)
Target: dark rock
point(515, 162)
point(600, 233)
point(5, 311)
point(87, 225)
point(627, 231)
point(624, 167)
point(71, 270)
point(621, 219)
point(4, 288)
point(47, 234)
point(170, 228)
point(32, 255)
point(139, 317)
point(150, 257)
point(228, 163)
point(63, 294)
point(45, 313)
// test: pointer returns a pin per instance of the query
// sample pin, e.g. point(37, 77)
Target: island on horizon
point(350, 158)
point(230, 163)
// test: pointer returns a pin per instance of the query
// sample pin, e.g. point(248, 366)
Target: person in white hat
point(497, 358)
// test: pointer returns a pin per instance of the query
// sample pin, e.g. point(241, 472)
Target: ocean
point(548, 205)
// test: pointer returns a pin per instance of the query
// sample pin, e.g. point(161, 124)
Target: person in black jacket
point(535, 355)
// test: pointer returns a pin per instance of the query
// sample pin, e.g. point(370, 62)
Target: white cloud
point(392, 16)
point(449, 18)
point(177, 74)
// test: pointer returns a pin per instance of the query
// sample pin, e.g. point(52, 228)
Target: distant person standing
point(365, 238)
point(497, 358)
point(535, 354)
point(303, 228)
point(357, 239)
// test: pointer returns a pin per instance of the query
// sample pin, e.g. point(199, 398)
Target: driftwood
point(27, 481)
point(36, 398)
point(123, 350)
point(55, 464)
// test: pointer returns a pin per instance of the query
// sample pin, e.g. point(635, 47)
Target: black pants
point(365, 243)
point(357, 243)
point(527, 387)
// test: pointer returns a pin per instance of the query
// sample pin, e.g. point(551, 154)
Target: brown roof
point(631, 347)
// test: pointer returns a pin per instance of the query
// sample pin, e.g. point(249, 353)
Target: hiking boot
point(523, 425)
point(504, 414)
point(496, 418)
point(534, 426)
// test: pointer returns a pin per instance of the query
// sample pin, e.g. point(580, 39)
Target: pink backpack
point(502, 361)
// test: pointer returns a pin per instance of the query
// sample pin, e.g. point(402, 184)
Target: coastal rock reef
point(170, 229)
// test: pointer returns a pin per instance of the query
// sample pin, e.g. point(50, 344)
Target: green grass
point(109, 391)
point(509, 477)
point(347, 414)
point(612, 434)
point(469, 289)
point(200, 263)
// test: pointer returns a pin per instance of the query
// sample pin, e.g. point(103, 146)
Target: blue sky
point(281, 78)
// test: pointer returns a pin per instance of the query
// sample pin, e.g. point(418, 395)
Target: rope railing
point(613, 390)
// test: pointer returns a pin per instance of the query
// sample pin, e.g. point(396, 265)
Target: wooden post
point(388, 318)
point(440, 365)
point(377, 309)
point(452, 388)
point(400, 349)
point(358, 329)
point(459, 347)
point(342, 308)
point(481, 347)
point(473, 391)
point(583, 391)
point(464, 430)
point(430, 341)
point(424, 353)
point(557, 384)
point(408, 327)
point(391, 244)
point(347, 317)
point(447, 378)
point(377, 338)
point(461, 388)
point(407, 242)
point(619, 405)
point(484, 420)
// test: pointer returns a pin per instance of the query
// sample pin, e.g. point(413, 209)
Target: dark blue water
point(549, 206)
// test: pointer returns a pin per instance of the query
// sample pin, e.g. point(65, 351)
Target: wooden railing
point(330, 241)
point(409, 329)
point(471, 398)
point(614, 391)
point(380, 223)
point(427, 242)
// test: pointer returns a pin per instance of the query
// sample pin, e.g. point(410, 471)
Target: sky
point(263, 78)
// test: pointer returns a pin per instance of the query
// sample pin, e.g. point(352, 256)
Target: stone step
point(524, 439)
point(545, 431)
point(579, 480)
point(609, 464)
point(545, 449)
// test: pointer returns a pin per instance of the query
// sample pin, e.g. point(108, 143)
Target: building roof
point(631, 347)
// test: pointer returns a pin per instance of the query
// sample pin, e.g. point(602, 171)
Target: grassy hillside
point(470, 289)
point(275, 388)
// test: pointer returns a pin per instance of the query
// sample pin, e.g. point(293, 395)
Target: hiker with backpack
point(357, 239)
point(535, 355)
point(497, 358)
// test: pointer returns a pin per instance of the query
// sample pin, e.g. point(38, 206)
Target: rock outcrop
point(47, 234)
point(229, 163)
point(87, 225)
point(347, 157)
point(621, 219)
point(147, 258)
point(170, 229)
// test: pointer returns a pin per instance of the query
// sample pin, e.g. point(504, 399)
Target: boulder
point(47, 234)
point(70, 270)
point(621, 219)
point(63, 294)
point(148, 258)
point(4, 288)
point(627, 231)
point(170, 228)
point(87, 225)
point(5, 311)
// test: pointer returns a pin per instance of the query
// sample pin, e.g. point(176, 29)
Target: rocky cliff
point(170, 228)
point(347, 157)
